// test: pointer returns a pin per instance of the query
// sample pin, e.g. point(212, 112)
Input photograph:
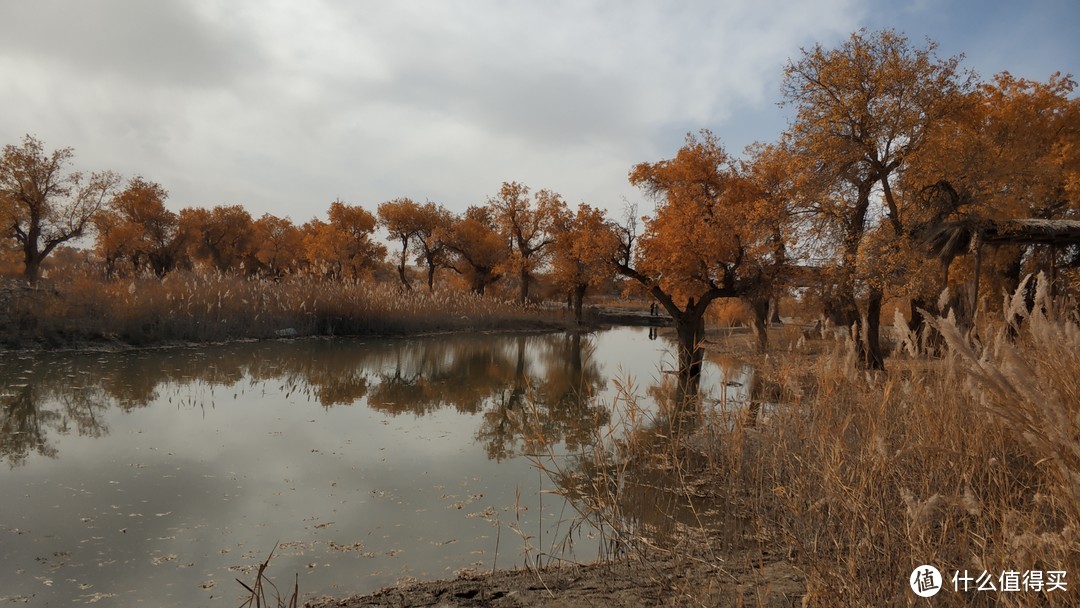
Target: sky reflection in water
point(159, 477)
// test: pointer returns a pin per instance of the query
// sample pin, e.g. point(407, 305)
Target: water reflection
point(157, 473)
point(633, 486)
point(31, 413)
point(533, 391)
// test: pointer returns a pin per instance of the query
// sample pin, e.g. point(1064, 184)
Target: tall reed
point(969, 462)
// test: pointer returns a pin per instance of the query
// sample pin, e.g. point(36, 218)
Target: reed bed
point(192, 307)
point(969, 462)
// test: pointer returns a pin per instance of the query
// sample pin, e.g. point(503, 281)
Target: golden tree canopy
point(697, 242)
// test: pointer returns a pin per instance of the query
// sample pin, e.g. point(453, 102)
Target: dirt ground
point(671, 581)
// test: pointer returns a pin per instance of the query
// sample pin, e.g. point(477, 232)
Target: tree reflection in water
point(530, 391)
point(631, 482)
point(32, 411)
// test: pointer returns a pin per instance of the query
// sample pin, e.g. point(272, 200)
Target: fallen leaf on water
point(161, 559)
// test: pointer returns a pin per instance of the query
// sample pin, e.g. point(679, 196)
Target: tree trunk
point(760, 307)
point(32, 268)
point(774, 315)
point(690, 328)
point(478, 286)
point(430, 274)
point(869, 339)
point(401, 264)
point(524, 284)
point(579, 298)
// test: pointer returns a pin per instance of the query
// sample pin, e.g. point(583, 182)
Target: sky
point(284, 107)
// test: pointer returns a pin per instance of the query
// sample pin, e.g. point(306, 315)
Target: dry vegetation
point(968, 462)
point(84, 310)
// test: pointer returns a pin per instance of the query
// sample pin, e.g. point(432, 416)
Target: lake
point(157, 477)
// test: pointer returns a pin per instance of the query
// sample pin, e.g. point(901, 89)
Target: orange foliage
point(137, 227)
point(528, 224)
point(342, 247)
point(1011, 154)
point(708, 222)
point(712, 236)
point(477, 249)
point(279, 245)
point(864, 110)
point(585, 245)
point(42, 204)
point(416, 227)
point(222, 238)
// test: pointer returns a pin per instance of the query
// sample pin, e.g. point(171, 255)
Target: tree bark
point(401, 264)
point(690, 328)
point(524, 284)
point(579, 299)
point(32, 269)
point(760, 308)
point(869, 340)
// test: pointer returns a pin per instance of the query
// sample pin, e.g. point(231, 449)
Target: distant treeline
point(888, 143)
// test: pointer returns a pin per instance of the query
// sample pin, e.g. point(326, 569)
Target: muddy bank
point(737, 579)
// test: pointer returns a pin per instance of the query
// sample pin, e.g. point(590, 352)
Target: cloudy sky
point(285, 106)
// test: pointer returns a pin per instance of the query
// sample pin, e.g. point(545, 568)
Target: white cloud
point(284, 106)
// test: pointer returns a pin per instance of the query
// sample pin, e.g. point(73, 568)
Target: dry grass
point(966, 462)
point(264, 593)
point(199, 308)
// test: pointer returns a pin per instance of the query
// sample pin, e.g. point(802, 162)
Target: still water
point(159, 477)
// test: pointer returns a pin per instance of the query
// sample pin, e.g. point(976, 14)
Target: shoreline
point(741, 577)
point(599, 320)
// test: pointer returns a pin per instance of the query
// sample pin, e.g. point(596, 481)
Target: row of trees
point(888, 140)
point(516, 233)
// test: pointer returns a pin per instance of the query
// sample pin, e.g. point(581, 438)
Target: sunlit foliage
point(707, 239)
point(863, 110)
point(279, 245)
